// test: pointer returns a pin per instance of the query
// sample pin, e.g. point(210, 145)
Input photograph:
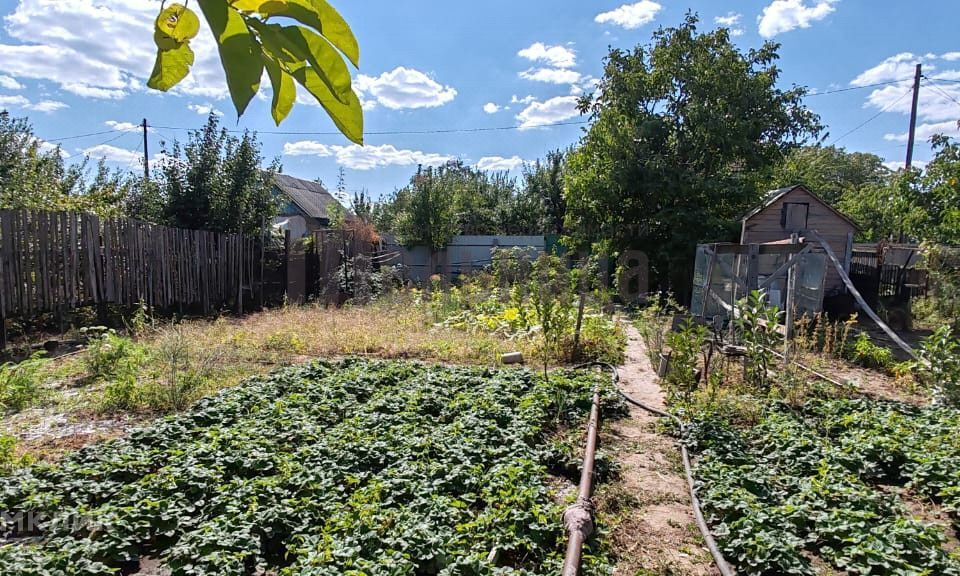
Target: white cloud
point(47, 147)
point(206, 109)
point(123, 126)
point(549, 112)
point(491, 108)
point(525, 100)
point(938, 102)
point(898, 67)
point(404, 88)
point(86, 91)
point(365, 157)
point(631, 16)
point(951, 56)
point(499, 163)
point(900, 165)
point(101, 49)
point(46, 106)
point(555, 56)
point(926, 130)
point(551, 75)
point(731, 21)
point(8, 83)
point(786, 15)
point(112, 154)
point(13, 102)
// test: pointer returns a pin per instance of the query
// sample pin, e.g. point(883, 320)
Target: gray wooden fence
point(56, 261)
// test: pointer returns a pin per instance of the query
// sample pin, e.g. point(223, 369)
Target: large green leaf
point(178, 22)
point(171, 67)
point(347, 116)
point(284, 90)
point(312, 47)
point(240, 53)
point(317, 14)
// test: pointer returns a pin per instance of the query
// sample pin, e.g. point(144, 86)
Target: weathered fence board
point(52, 261)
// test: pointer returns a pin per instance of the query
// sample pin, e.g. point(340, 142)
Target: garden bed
point(366, 466)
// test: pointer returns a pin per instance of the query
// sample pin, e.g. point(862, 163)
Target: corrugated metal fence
point(55, 261)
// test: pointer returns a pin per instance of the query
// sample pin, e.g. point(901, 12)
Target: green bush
point(110, 356)
point(20, 384)
point(939, 365)
point(867, 354)
point(9, 459)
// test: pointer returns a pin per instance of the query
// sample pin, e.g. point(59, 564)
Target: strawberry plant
point(808, 483)
point(353, 467)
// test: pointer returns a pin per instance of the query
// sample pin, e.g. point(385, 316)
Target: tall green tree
point(682, 130)
point(35, 177)
point(428, 216)
point(213, 182)
point(544, 182)
point(828, 171)
point(941, 198)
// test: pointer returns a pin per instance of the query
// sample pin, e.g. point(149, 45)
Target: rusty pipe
point(578, 518)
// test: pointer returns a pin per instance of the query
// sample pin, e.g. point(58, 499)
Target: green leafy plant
point(686, 345)
point(939, 365)
point(867, 354)
point(757, 324)
point(21, 384)
point(327, 468)
point(251, 41)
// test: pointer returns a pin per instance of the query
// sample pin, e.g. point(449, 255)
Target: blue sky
point(78, 67)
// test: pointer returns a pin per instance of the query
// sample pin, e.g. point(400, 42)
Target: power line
point(65, 138)
point(397, 132)
point(933, 85)
point(875, 116)
point(858, 87)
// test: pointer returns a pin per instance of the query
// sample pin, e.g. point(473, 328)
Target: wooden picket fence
point(56, 261)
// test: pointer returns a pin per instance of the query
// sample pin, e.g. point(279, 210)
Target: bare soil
point(647, 512)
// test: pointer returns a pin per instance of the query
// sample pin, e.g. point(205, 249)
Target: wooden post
point(791, 298)
point(576, 334)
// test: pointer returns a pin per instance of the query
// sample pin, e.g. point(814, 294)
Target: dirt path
point(647, 512)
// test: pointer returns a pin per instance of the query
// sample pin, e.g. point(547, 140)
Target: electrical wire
point(65, 138)
point(933, 85)
point(874, 117)
point(397, 132)
point(852, 88)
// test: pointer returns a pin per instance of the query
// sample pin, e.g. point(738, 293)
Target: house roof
point(774, 195)
point(311, 197)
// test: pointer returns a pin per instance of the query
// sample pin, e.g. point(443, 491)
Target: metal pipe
point(578, 519)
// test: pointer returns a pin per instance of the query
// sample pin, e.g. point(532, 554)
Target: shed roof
point(311, 197)
point(774, 195)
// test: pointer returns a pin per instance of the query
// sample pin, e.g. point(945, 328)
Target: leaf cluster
point(330, 468)
point(807, 483)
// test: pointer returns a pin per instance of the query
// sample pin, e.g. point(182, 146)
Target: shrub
point(939, 366)
point(20, 384)
point(757, 324)
point(9, 460)
point(111, 356)
point(686, 345)
point(867, 354)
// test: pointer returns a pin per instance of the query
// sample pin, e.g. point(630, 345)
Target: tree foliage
point(442, 202)
point(543, 183)
point(829, 171)
point(309, 50)
point(212, 182)
point(681, 132)
point(34, 177)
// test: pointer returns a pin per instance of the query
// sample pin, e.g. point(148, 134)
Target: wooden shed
point(795, 210)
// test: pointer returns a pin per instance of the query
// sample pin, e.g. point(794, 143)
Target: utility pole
point(146, 153)
point(913, 116)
